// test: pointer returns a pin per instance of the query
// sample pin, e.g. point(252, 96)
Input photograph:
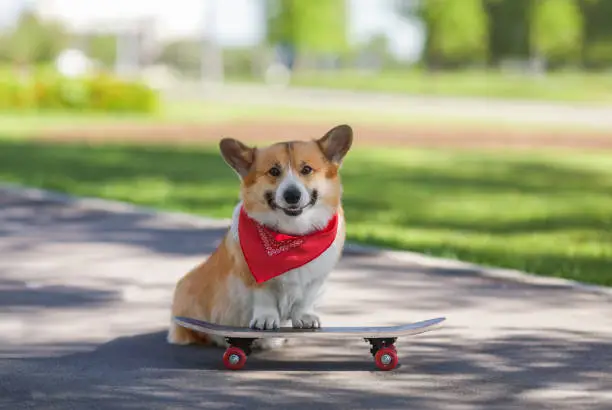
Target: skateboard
point(380, 338)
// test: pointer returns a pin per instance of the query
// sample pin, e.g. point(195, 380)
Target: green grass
point(546, 213)
point(563, 87)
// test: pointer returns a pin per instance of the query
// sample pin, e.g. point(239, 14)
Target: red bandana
point(269, 254)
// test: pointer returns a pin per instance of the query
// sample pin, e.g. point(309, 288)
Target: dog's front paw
point(266, 321)
point(306, 321)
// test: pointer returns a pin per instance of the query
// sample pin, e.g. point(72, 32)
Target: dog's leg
point(265, 310)
point(303, 313)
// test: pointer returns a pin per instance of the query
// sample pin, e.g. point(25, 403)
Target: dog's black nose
point(292, 195)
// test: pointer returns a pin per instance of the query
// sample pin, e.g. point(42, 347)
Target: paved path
point(84, 296)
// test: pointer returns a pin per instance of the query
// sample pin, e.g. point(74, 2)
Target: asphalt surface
point(84, 307)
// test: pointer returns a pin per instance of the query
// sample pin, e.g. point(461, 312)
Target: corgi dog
point(286, 235)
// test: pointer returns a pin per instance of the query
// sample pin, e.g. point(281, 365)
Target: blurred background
point(544, 49)
point(483, 127)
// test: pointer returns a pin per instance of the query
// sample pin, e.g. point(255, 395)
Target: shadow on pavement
point(16, 295)
point(143, 370)
point(75, 224)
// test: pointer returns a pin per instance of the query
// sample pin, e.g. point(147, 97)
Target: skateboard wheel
point(386, 358)
point(234, 358)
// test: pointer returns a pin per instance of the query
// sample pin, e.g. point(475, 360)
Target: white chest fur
point(293, 295)
point(300, 289)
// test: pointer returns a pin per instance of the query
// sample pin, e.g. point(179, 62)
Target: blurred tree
point(556, 31)
point(4, 48)
point(560, 31)
point(457, 31)
point(240, 62)
point(183, 55)
point(597, 51)
point(35, 41)
point(311, 26)
point(103, 47)
point(509, 29)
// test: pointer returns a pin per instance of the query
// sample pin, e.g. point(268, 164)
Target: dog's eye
point(274, 171)
point(306, 170)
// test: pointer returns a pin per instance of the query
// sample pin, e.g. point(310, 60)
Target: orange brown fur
point(197, 293)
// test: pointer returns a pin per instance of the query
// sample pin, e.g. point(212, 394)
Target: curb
point(510, 275)
point(492, 272)
point(108, 205)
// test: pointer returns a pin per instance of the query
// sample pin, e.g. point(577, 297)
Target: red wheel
point(386, 358)
point(234, 358)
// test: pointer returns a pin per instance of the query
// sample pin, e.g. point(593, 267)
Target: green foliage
point(597, 33)
point(110, 94)
point(50, 91)
point(239, 62)
point(556, 30)
point(564, 32)
point(5, 44)
point(509, 29)
point(457, 31)
point(598, 54)
point(310, 26)
point(33, 41)
point(103, 48)
point(184, 55)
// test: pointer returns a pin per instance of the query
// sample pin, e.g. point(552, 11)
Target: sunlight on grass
point(547, 213)
point(566, 87)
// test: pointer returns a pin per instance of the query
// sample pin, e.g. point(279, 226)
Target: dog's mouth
point(292, 210)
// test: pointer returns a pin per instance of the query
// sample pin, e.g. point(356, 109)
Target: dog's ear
point(237, 155)
point(336, 143)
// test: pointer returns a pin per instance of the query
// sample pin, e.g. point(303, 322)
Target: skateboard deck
point(367, 332)
point(381, 338)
